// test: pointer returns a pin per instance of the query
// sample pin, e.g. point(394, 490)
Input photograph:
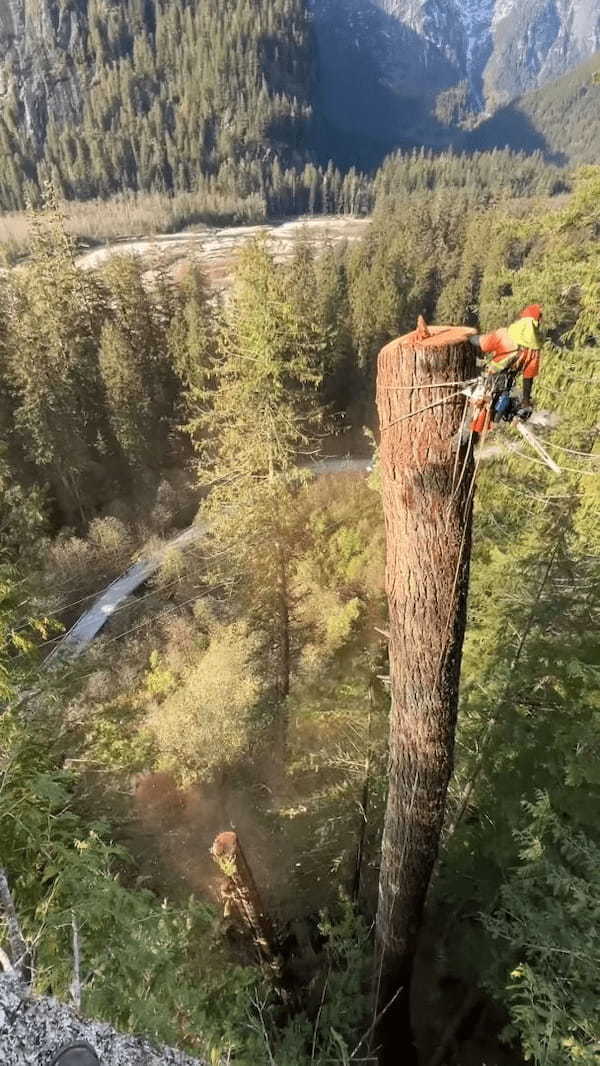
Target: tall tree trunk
point(364, 803)
point(427, 495)
point(283, 612)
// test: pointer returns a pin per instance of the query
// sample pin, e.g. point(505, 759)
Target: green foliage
point(204, 725)
point(192, 337)
point(547, 920)
point(24, 520)
point(266, 367)
point(257, 417)
point(91, 389)
point(52, 323)
point(131, 943)
point(113, 739)
point(138, 384)
point(346, 1004)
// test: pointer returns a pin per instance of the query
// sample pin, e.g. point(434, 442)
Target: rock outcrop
point(39, 43)
point(32, 1028)
point(499, 48)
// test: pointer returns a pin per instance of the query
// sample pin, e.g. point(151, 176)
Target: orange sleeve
point(531, 363)
point(490, 342)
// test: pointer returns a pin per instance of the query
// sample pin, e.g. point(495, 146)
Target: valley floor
point(215, 248)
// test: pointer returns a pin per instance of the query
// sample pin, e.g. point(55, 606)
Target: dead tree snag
point(428, 514)
point(19, 954)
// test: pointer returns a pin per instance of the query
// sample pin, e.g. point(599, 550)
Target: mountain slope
point(105, 95)
point(562, 120)
point(537, 42)
point(221, 96)
point(405, 71)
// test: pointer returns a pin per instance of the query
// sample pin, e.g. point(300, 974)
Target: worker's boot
point(524, 413)
point(525, 409)
point(79, 1053)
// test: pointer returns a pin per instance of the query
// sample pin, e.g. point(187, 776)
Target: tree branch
point(76, 982)
point(19, 952)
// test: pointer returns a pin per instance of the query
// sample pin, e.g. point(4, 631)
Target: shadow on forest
point(376, 85)
point(361, 118)
point(510, 127)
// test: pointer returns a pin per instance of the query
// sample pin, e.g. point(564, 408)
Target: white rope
point(421, 411)
point(571, 451)
point(564, 469)
point(438, 385)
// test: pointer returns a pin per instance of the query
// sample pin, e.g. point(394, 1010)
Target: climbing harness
point(494, 400)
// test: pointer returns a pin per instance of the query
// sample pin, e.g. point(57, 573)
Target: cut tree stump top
point(440, 337)
point(226, 844)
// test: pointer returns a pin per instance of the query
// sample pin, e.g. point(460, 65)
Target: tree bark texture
point(240, 890)
point(427, 479)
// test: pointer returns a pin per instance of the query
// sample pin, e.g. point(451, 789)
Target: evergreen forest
point(219, 103)
point(244, 684)
point(161, 97)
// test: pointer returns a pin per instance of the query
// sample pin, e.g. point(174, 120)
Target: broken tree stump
point(427, 481)
point(241, 893)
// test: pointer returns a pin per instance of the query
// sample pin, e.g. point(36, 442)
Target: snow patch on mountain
point(502, 9)
point(476, 17)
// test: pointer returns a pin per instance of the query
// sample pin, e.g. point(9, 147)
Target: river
point(215, 249)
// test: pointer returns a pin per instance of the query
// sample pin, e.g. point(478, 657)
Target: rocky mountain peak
point(500, 47)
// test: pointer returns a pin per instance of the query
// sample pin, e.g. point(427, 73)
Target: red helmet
point(533, 311)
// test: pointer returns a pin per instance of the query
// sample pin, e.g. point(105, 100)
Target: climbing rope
point(438, 385)
point(564, 469)
point(422, 410)
point(571, 451)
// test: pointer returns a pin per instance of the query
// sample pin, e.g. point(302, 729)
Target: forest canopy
point(245, 685)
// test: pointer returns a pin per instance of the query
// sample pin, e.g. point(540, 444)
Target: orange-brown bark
point(428, 529)
point(240, 890)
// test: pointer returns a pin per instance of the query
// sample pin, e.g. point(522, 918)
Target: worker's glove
point(475, 340)
point(525, 413)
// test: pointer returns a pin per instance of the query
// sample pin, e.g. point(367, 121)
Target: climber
point(514, 350)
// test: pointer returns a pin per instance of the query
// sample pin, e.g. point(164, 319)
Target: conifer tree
point(135, 367)
point(55, 319)
point(192, 338)
point(341, 380)
point(262, 408)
